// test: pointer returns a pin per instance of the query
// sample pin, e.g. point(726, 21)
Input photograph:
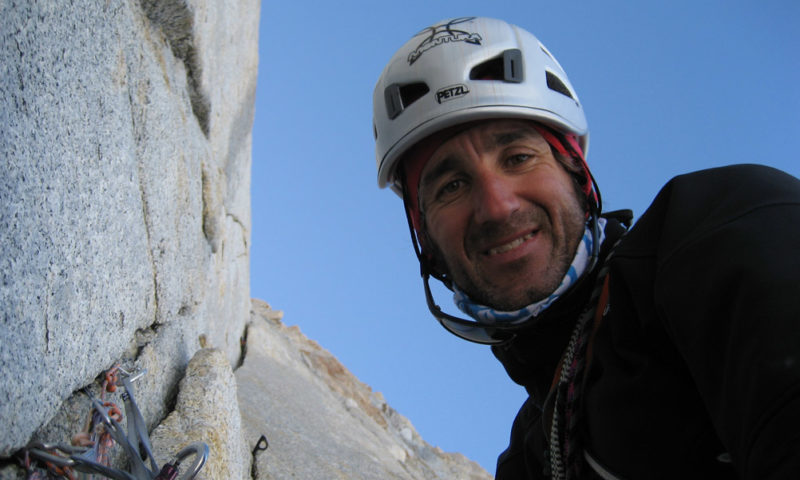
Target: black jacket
point(695, 369)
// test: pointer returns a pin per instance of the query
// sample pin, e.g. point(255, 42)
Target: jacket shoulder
point(695, 203)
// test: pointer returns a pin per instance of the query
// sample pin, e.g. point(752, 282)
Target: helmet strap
point(426, 262)
point(567, 145)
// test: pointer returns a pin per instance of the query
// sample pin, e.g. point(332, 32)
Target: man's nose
point(494, 198)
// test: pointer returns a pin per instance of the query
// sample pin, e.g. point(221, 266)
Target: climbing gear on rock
point(89, 452)
point(261, 445)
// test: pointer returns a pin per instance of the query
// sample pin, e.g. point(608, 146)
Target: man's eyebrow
point(447, 164)
point(451, 162)
point(505, 138)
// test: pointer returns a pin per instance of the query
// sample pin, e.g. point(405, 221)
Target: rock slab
point(323, 423)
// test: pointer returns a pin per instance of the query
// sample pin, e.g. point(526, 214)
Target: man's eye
point(450, 187)
point(518, 159)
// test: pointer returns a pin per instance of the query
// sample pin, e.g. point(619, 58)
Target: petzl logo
point(444, 33)
point(449, 93)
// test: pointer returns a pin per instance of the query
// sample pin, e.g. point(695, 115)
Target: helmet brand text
point(451, 92)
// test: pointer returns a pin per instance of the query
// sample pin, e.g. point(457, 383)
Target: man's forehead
point(489, 134)
point(492, 133)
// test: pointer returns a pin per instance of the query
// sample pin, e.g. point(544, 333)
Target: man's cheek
point(438, 260)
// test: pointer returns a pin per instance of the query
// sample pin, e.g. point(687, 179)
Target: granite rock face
point(206, 411)
point(323, 423)
point(125, 132)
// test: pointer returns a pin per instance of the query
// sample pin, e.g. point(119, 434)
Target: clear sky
point(668, 87)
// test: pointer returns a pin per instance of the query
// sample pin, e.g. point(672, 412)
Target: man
point(668, 351)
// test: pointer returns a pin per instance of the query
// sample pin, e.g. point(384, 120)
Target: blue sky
point(668, 87)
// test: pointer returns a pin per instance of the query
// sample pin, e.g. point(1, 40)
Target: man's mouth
point(510, 245)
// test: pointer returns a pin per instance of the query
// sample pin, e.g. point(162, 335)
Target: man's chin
point(503, 298)
point(506, 289)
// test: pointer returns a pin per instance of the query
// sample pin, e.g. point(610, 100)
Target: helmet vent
point(555, 83)
point(399, 97)
point(547, 52)
point(507, 67)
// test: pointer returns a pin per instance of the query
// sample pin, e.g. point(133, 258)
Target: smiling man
point(671, 350)
point(501, 213)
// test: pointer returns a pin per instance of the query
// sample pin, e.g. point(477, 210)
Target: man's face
point(501, 212)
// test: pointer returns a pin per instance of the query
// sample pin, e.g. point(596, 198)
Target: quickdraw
point(89, 451)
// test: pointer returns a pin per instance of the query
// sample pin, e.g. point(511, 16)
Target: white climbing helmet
point(466, 69)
